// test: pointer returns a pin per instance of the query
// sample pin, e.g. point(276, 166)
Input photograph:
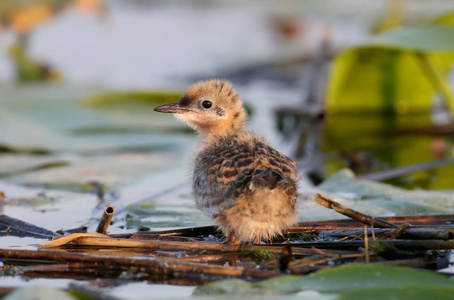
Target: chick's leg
point(232, 239)
point(258, 238)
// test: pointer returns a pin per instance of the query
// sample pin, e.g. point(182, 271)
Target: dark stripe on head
point(184, 101)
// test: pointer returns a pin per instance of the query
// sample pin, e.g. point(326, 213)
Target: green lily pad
point(372, 198)
point(346, 281)
point(401, 293)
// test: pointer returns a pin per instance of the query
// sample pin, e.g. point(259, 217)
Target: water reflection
point(378, 142)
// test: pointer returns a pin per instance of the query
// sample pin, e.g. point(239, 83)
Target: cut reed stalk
point(106, 218)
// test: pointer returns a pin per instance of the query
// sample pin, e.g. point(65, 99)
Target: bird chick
point(249, 188)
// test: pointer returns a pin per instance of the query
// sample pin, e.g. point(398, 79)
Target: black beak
point(172, 108)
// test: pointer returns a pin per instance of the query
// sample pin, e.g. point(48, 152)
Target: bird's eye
point(207, 104)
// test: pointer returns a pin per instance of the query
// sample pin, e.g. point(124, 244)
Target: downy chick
point(249, 188)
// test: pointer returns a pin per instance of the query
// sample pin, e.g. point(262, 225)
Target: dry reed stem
point(360, 217)
point(400, 244)
point(100, 240)
point(153, 265)
point(316, 261)
point(106, 218)
point(407, 233)
point(444, 220)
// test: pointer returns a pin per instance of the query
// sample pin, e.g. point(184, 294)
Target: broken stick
point(331, 204)
point(105, 219)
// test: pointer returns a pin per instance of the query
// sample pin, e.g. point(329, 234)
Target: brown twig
point(316, 260)
point(157, 265)
point(408, 233)
point(421, 220)
point(441, 219)
point(331, 204)
point(349, 237)
point(401, 244)
point(106, 218)
point(202, 258)
point(99, 240)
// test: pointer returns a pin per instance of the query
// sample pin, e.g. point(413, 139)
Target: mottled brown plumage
point(246, 185)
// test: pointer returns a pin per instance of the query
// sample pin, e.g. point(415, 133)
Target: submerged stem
point(436, 79)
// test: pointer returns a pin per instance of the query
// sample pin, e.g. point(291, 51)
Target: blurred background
point(353, 84)
point(363, 85)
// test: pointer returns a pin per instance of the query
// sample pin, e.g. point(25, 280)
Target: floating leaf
point(346, 281)
point(401, 293)
point(373, 198)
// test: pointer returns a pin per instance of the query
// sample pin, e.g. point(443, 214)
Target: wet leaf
point(369, 277)
point(64, 209)
point(87, 147)
point(11, 165)
point(156, 215)
point(401, 293)
point(41, 110)
point(346, 281)
point(146, 209)
point(373, 198)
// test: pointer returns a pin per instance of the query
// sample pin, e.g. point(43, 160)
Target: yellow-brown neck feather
point(233, 123)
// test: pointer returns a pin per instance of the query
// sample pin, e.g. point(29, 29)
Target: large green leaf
point(395, 72)
point(446, 20)
point(347, 282)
